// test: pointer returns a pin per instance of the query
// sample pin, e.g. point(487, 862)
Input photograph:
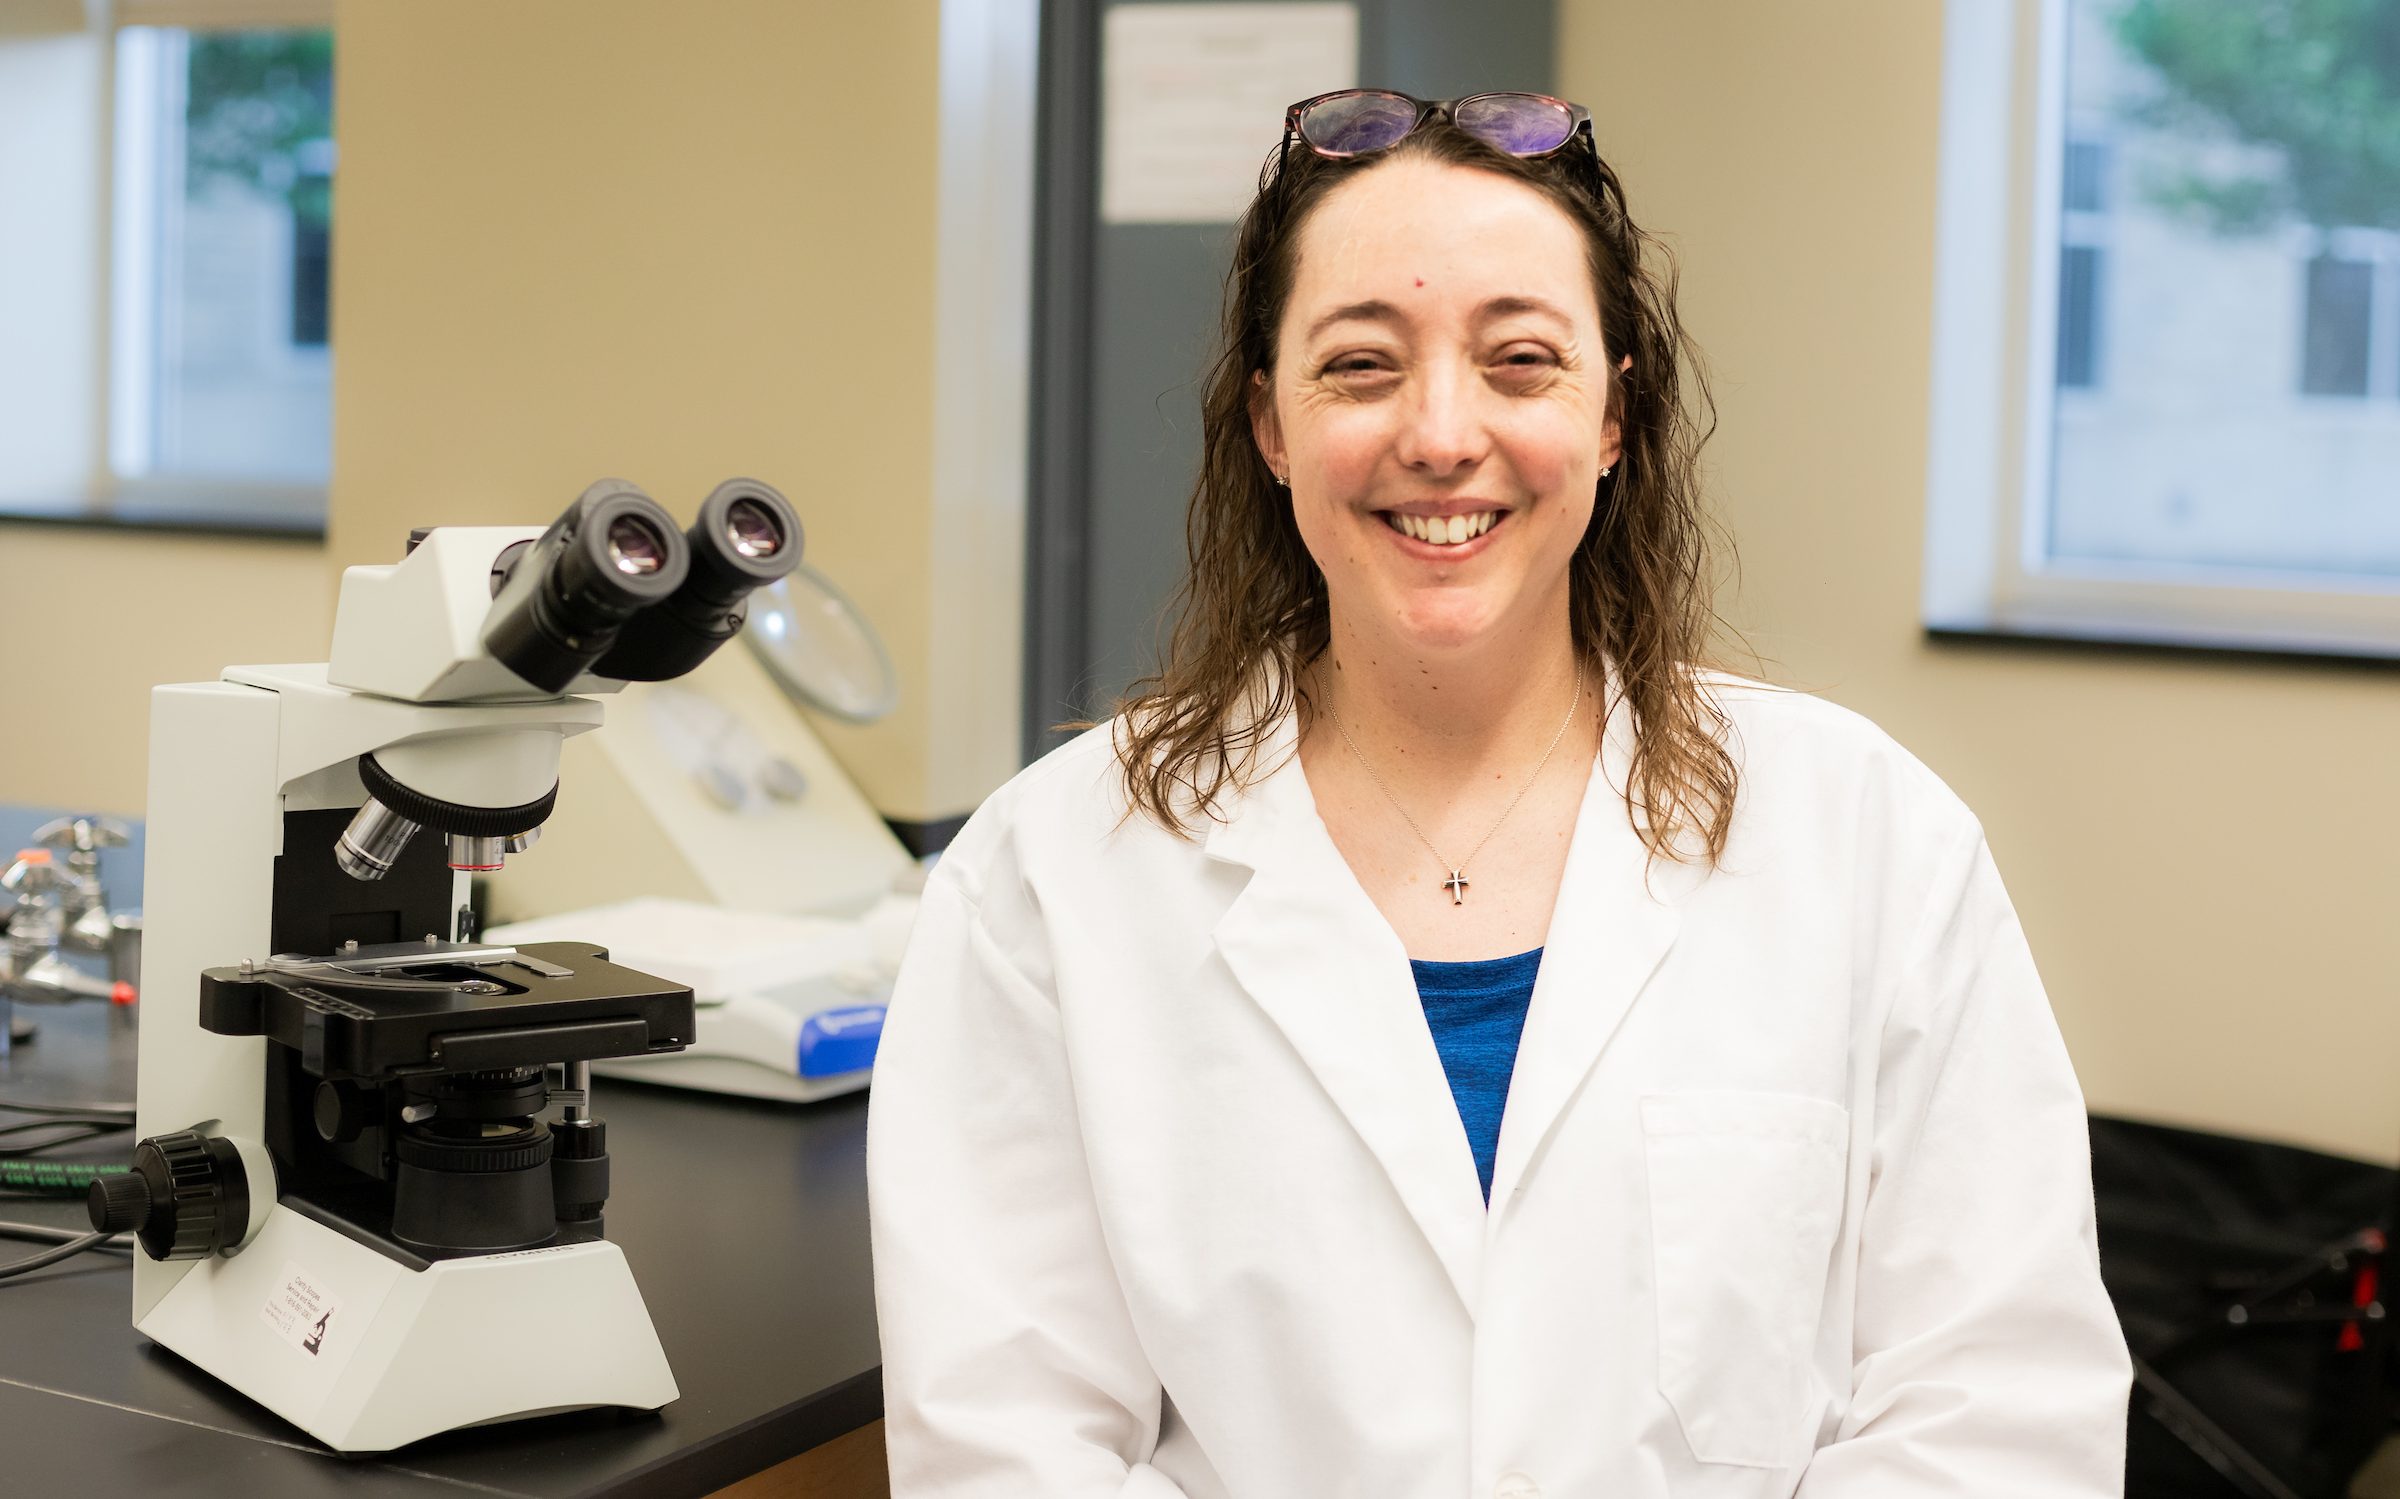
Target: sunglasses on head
point(1354, 122)
point(1360, 121)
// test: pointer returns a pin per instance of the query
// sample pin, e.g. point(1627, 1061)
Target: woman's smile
point(1451, 532)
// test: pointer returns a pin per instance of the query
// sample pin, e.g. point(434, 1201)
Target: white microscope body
point(346, 1184)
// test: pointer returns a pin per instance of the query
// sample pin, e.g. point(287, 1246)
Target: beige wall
point(577, 238)
point(2202, 850)
point(90, 621)
point(669, 243)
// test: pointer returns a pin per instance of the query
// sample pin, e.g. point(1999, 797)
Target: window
point(2340, 296)
point(2351, 321)
point(2167, 333)
point(2083, 231)
point(2078, 316)
point(177, 159)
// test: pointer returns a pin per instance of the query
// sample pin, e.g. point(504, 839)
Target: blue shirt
point(1477, 1013)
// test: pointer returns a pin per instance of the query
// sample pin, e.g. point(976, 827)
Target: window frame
point(229, 505)
point(1994, 391)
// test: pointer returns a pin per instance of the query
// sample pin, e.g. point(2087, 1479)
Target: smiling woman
point(1446, 291)
point(1444, 1037)
point(1440, 405)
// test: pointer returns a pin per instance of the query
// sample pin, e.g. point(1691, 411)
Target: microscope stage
point(541, 1003)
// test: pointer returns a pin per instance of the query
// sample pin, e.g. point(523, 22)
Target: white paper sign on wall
point(1192, 100)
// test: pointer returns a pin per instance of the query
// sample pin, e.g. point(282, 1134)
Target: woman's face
point(1439, 374)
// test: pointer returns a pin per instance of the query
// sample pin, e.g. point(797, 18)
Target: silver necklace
point(1457, 883)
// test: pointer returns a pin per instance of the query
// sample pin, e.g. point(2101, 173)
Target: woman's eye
point(1521, 360)
point(1356, 364)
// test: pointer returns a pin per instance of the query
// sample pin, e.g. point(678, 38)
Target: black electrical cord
point(60, 1124)
point(109, 1110)
point(45, 1233)
point(69, 1244)
point(63, 1132)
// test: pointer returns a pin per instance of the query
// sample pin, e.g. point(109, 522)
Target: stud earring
point(1604, 472)
point(1283, 482)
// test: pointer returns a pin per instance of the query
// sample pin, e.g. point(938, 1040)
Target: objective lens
point(372, 842)
point(634, 548)
point(478, 854)
point(752, 531)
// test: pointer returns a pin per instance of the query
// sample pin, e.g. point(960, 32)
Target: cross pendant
point(1457, 885)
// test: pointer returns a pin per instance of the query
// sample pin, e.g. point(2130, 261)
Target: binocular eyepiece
point(613, 588)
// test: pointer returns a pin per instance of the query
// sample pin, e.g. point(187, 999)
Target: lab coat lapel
point(1306, 942)
point(1615, 919)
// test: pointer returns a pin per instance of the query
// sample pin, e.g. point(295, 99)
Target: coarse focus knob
point(193, 1196)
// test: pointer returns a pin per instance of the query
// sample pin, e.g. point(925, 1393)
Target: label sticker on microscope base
point(304, 1312)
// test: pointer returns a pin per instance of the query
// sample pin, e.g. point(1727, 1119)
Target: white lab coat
point(1170, 1195)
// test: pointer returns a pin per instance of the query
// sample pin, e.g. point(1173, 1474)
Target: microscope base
point(365, 1354)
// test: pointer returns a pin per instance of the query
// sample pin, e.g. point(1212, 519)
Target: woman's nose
point(1442, 430)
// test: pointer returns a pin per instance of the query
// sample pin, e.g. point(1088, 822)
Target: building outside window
point(2083, 230)
point(2207, 448)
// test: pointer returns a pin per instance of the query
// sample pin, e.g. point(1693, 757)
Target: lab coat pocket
point(1745, 1200)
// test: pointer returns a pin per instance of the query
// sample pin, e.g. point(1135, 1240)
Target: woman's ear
point(1612, 439)
point(1265, 430)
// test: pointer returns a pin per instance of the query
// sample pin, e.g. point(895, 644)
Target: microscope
point(350, 1177)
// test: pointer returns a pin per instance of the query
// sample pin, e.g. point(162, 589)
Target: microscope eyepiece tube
point(372, 842)
point(559, 604)
point(748, 535)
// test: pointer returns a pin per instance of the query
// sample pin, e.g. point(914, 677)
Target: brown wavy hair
point(1251, 613)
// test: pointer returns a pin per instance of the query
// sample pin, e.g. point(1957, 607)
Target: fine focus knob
point(189, 1196)
point(119, 1202)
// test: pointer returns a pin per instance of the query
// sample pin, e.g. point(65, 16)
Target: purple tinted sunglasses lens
point(1520, 124)
point(1354, 123)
